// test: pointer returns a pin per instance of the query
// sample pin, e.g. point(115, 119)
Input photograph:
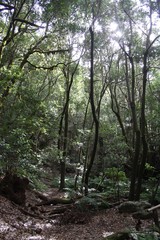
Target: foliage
point(134, 236)
point(147, 236)
point(115, 174)
point(55, 182)
point(16, 151)
point(112, 184)
point(45, 45)
point(115, 148)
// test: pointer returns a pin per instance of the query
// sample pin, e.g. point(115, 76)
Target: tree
point(60, 69)
point(69, 73)
point(25, 57)
point(136, 64)
point(95, 118)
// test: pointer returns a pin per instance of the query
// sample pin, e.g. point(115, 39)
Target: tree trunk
point(136, 135)
point(143, 129)
point(95, 119)
point(135, 166)
point(63, 138)
point(143, 124)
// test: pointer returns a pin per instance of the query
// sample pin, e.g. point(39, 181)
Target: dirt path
point(15, 225)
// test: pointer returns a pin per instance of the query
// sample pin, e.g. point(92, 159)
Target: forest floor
point(16, 224)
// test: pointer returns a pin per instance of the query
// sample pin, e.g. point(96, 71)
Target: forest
point(80, 119)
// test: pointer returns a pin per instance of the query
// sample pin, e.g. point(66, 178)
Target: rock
point(144, 204)
point(128, 207)
point(133, 206)
point(143, 215)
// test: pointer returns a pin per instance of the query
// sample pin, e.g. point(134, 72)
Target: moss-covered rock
point(143, 215)
point(133, 206)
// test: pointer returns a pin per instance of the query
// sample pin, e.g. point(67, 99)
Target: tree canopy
point(79, 83)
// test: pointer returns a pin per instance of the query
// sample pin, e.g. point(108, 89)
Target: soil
point(30, 223)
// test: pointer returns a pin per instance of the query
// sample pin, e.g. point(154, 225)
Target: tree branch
point(50, 51)
point(46, 68)
point(7, 6)
point(27, 22)
point(154, 40)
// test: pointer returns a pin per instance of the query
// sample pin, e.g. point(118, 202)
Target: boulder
point(143, 215)
point(133, 206)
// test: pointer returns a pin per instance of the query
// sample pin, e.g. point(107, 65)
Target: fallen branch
point(39, 195)
point(56, 201)
point(24, 211)
point(153, 208)
point(155, 214)
point(60, 209)
point(30, 214)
